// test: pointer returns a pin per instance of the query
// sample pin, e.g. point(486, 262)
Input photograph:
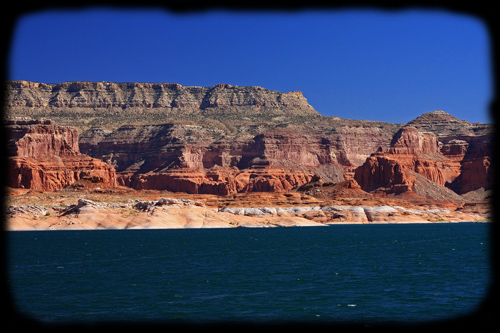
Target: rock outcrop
point(474, 154)
point(205, 160)
point(150, 95)
point(227, 139)
point(224, 125)
point(46, 156)
point(409, 140)
point(410, 150)
point(458, 163)
point(352, 214)
point(218, 181)
point(443, 124)
point(469, 144)
point(114, 104)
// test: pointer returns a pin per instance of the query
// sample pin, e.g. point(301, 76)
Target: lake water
point(341, 273)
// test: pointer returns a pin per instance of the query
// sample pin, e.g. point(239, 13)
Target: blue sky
point(361, 64)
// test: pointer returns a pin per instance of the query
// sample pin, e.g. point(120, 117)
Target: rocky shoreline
point(174, 213)
point(101, 155)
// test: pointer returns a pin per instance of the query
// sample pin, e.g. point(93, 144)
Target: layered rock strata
point(113, 104)
point(474, 154)
point(46, 156)
point(196, 159)
point(150, 95)
point(469, 144)
point(352, 214)
point(228, 139)
point(461, 164)
point(445, 125)
point(219, 182)
point(161, 146)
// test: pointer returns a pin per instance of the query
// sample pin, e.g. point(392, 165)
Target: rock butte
point(47, 157)
point(230, 142)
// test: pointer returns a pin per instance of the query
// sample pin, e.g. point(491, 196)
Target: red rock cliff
point(41, 139)
point(219, 181)
point(411, 150)
point(46, 157)
point(474, 155)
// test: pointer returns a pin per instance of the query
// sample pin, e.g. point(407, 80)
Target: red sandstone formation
point(46, 157)
point(476, 173)
point(469, 144)
point(228, 139)
point(41, 139)
point(197, 160)
point(409, 140)
point(141, 152)
point(220, 181)
point(414, 154)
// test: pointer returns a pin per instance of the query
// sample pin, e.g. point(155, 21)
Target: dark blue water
point(343, 273)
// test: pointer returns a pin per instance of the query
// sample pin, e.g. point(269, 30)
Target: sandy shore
point(172, 213)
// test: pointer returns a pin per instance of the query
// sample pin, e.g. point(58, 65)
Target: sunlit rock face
point(459, 160)
point(46, 157)
point(229, 139)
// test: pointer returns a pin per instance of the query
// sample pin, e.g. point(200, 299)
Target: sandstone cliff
point(269, 158)
point(219, 182)
point(416, 156)
point(84, 104)
point(470, 144)
point(229, 139)
point(150, 95)
point(46, 156)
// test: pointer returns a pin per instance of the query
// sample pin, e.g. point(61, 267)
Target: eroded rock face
point(219, 182)
point(169, 96)
point(228, 139)
point(229, 126)
point(380, 171)
point(151, 147)
point(46, 157)
point(141, 152)
point(409, 140)
point(41, 139)
point(410, 150)
point(469, 144)
point(460, 163)
point(55, 175)
point(443, 124)
point(474, 155)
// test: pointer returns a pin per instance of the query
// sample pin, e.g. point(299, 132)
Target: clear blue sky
point(358, 64)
